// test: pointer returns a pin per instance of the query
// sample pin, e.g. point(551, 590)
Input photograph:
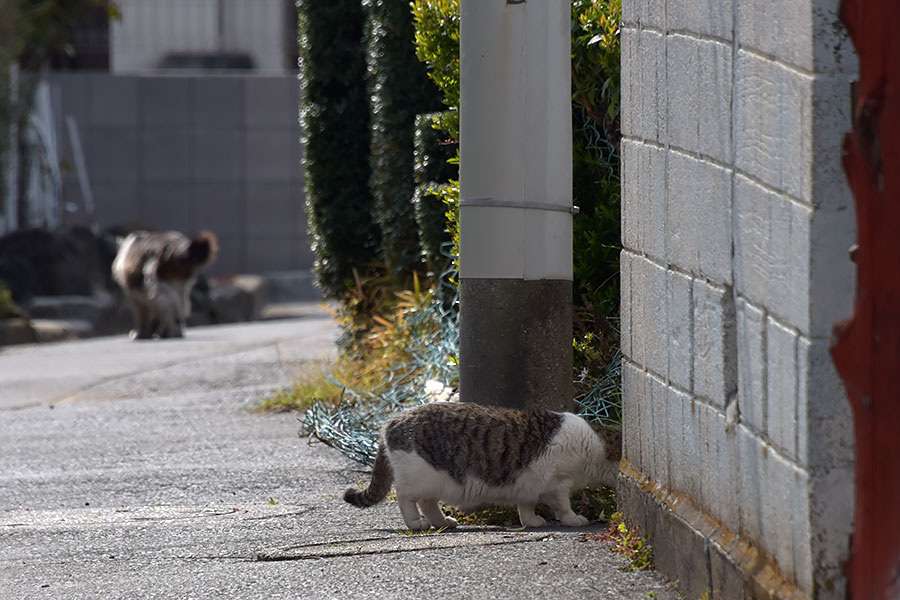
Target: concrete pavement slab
point(147, 476)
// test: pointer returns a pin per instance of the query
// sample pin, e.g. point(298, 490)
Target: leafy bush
point(434, 166)
point(335, 119)
point(437, 45)
point(399, 90)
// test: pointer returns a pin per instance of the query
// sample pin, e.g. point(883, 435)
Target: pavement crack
point(407, 543)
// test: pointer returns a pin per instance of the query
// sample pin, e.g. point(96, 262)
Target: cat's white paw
point(420, 524)
point(449, 523)
point(534, 521)
point(574, 521)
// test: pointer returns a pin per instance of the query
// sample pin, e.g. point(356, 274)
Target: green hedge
point(399, 90)
point(335, 121)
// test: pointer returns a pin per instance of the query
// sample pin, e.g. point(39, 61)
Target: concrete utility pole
point(516, 203)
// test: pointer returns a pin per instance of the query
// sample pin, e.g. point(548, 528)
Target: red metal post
point(867, 347)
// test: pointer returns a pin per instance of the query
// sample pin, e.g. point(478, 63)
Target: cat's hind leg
point(559, 502)
point(414, 521)
point(527, 516)
point(435, 515)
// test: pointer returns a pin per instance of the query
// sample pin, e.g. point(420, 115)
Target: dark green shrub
point(399, 90)
point(335, 121)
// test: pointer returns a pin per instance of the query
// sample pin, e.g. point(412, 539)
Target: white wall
point(150, 29)
point(736, 225)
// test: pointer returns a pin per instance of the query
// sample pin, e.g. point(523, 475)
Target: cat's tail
point(382, 477)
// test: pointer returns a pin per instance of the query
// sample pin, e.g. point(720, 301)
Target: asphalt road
point(136, 470)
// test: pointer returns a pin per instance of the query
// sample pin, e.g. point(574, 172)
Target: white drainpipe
point(516, 203)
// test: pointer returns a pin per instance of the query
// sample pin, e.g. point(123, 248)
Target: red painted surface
point(867, 350)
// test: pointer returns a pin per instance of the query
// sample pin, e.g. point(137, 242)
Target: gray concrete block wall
point(194, 152)
point(736, 224)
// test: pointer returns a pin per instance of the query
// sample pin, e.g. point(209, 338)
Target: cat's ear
point(612, 439)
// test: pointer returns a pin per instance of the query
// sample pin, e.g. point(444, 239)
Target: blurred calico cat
point(156, 271)
point(469, 455)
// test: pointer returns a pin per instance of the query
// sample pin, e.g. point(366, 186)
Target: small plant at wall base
point(627, 542)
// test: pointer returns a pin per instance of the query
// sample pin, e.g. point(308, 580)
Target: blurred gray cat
point(469, 455)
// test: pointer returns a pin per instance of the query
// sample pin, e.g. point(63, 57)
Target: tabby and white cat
point(469, 455)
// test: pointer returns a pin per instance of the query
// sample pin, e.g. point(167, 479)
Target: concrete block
point(165, 101)
point(648, 425)
point(779, 488)
point(652, 191)
point(218, 102)
point(727, 581)
point(271, 155)
point(165, 155)
point(648, 14)
point(630, 79)
point(632, 399)
point(167, 206)
point(773, 125)
point(639, 298)
point(644, 198)
point(269, 209)
point(272, 102)
point(720, 466)
point(691, 473)
point(706, 17)
point(116, 203)
point(751, 452)
point(800, 530)
point(679, 404)
point(219, 156)
point(782, 387)
point(659, 438)
point(715, 344)
point(655, 318)
point(831, 500)
point(114, 102)
point(783, 30)
point(751, 340)
point(699, 85)
point(651, 123)
point(698, 217)
point(632, 200)
point(625, 312)
point(679, 329)
point(833, 228)
point(113, 155)
point(772, 252)
point(833, 50)
point(825, 437)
